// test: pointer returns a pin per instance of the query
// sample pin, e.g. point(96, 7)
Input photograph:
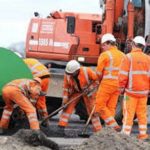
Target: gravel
point(108, 139)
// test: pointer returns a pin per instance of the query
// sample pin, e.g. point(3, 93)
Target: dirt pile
point(109, 139)
point(20, 141)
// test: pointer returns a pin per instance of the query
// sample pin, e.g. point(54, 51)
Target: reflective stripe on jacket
point(27, 87)
point(108, 66)
point(86, 75)
point(134, 74)
point(37, 68)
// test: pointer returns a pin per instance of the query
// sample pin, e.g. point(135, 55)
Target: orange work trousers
point(131, 106)
point(89, 103)
point(41, 102)
point(106, 102)
point(12, 95)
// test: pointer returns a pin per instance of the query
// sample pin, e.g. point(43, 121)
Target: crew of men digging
point(116, 74)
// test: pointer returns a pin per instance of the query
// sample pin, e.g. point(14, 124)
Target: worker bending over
point(107, 71)
point(24, 93)
point(39, 70)
point(76, 80)
point(134, 80)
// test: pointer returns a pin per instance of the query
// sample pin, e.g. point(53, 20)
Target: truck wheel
point(119, 111)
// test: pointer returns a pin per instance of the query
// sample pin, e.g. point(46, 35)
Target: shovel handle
point(62, 107)
point(88, 121)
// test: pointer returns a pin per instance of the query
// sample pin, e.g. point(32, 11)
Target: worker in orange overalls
point(134, 80)
point(107, 71)
point(39, 70)
point(23, 93)
point(76, 80)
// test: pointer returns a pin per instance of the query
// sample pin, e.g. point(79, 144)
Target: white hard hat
point(108, 37)
point(139, 40)
point(72, 66)
point(18, 54)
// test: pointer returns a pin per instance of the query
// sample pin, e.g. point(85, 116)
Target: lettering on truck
point(49, 42)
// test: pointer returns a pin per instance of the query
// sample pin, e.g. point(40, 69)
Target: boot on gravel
point(39, 138)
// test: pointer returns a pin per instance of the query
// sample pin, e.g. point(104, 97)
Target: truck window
point(96, 27)
point(137, 3)
point(70, 24)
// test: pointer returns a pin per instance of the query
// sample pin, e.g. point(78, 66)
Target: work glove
point(86, 91)
point(42, 93)
point(89, 91)
point(39, 138)
point(122, 90)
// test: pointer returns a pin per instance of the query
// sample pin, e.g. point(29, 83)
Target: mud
point(111, 140)
point(20, 141)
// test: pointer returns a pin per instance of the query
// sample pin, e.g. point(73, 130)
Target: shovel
point(62, 107)
point(83, 134)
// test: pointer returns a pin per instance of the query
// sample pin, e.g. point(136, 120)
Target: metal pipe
point(130, 9)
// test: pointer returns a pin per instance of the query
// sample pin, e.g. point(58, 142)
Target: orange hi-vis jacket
point(23, 93)
point(30, 88)
point(108, 66)
point(86, 75)
point(134, 74)
point(37, 68)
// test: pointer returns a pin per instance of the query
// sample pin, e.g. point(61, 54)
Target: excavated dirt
point(19, 141)
point(109, 139)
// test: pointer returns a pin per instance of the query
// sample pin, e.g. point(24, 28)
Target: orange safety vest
point(37, 68)
point(86, 75)
point(27, 87)
point(134, 73)
point(108, 66)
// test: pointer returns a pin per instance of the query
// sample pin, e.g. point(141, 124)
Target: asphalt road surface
point(76, 126)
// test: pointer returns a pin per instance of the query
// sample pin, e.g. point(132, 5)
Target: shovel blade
point(84, 135)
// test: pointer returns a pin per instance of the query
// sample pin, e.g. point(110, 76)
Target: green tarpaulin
point(12, 67)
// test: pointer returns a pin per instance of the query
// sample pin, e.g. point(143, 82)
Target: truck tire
point(119, 111)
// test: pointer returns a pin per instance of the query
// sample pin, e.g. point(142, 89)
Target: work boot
point(144, 137)
point(3, 131)
point(117, 129)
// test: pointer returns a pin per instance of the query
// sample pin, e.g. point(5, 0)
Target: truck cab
point(63, 36)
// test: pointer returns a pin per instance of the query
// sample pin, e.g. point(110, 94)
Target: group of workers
point(116, 74)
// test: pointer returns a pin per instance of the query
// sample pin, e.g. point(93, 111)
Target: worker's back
point(37, 68)
point(134, 73)
point(110, 61)
point(140, 62)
